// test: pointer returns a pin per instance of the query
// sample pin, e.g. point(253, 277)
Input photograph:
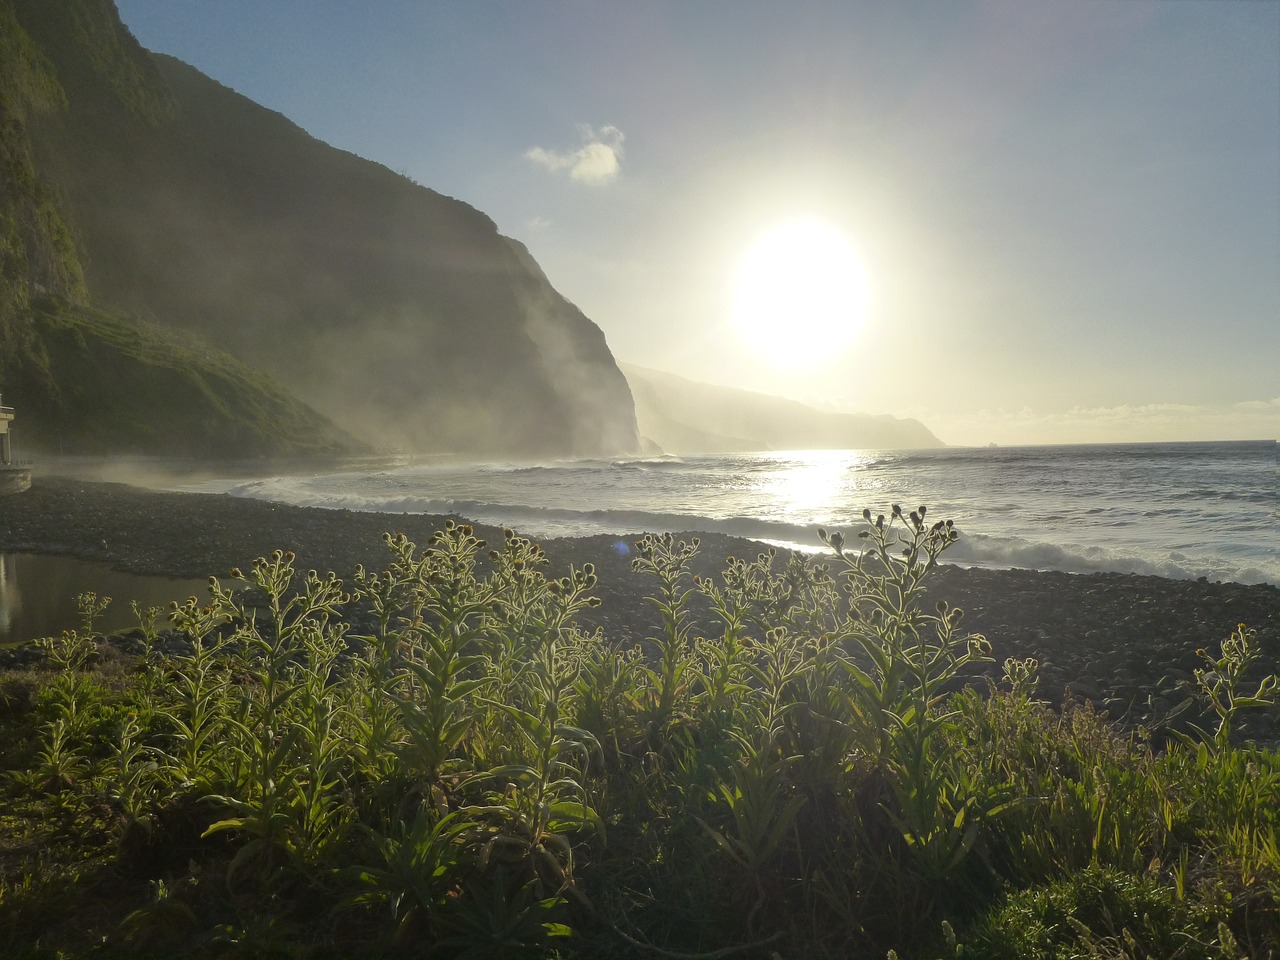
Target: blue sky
point(1067, 213)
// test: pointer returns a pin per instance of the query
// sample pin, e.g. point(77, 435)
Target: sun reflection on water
point(813, 486)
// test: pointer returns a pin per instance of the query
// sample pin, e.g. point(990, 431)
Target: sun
point(800, 293)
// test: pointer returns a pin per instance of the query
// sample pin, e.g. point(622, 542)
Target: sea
point(1181, 510)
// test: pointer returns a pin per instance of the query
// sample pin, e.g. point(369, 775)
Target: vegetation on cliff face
point(401, 314)
point(86, 381)
point(95, 57)
point(440, 761)
point(37, 254)
point(102, 384)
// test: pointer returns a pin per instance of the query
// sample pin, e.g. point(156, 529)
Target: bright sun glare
point(800, 293)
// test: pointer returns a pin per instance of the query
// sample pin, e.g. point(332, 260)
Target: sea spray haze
point(1182, 510)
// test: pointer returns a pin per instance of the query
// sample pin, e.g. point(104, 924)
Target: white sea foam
point(1173, 510)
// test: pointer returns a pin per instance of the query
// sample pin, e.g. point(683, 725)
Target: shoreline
point(1126, 642)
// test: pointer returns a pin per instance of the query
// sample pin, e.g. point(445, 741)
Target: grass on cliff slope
point(100, 384)
point(432, 760)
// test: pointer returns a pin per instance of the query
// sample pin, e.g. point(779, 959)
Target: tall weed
point(794, 763)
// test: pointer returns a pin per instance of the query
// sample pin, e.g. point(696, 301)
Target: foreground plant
point(1223, 683)
point(439, 757)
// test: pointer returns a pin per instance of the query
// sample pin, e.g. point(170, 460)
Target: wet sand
point(1126, 642)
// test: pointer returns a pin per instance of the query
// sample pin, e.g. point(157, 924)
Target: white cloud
point(596, 162)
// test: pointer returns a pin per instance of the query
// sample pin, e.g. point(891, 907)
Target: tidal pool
point(38, 595)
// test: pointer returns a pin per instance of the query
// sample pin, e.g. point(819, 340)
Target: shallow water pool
point(38, 595)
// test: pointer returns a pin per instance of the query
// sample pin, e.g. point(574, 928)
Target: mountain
point(683, 416)
point(399, 314)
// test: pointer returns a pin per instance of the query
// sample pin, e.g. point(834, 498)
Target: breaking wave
point(1171, 510)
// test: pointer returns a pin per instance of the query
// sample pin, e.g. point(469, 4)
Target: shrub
point(438, 756)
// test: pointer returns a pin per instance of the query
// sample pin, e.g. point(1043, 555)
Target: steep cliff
point(37, 255)
point(400, 313)
point(685, 416)
point(84, 380)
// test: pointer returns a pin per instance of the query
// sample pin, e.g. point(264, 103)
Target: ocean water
point(1183, 510)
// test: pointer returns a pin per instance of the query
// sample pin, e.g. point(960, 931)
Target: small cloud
point(596, 162)
point(538, 223)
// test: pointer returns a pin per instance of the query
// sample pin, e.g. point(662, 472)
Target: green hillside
point(101, 384)
point(36, 249)
point(82, 380)
point(401, 314)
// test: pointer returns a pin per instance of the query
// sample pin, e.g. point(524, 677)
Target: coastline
point(1125, 642)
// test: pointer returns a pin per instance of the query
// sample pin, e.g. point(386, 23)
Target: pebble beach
point(1125, 643)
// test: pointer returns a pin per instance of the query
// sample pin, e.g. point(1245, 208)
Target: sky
point(1019, 222)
